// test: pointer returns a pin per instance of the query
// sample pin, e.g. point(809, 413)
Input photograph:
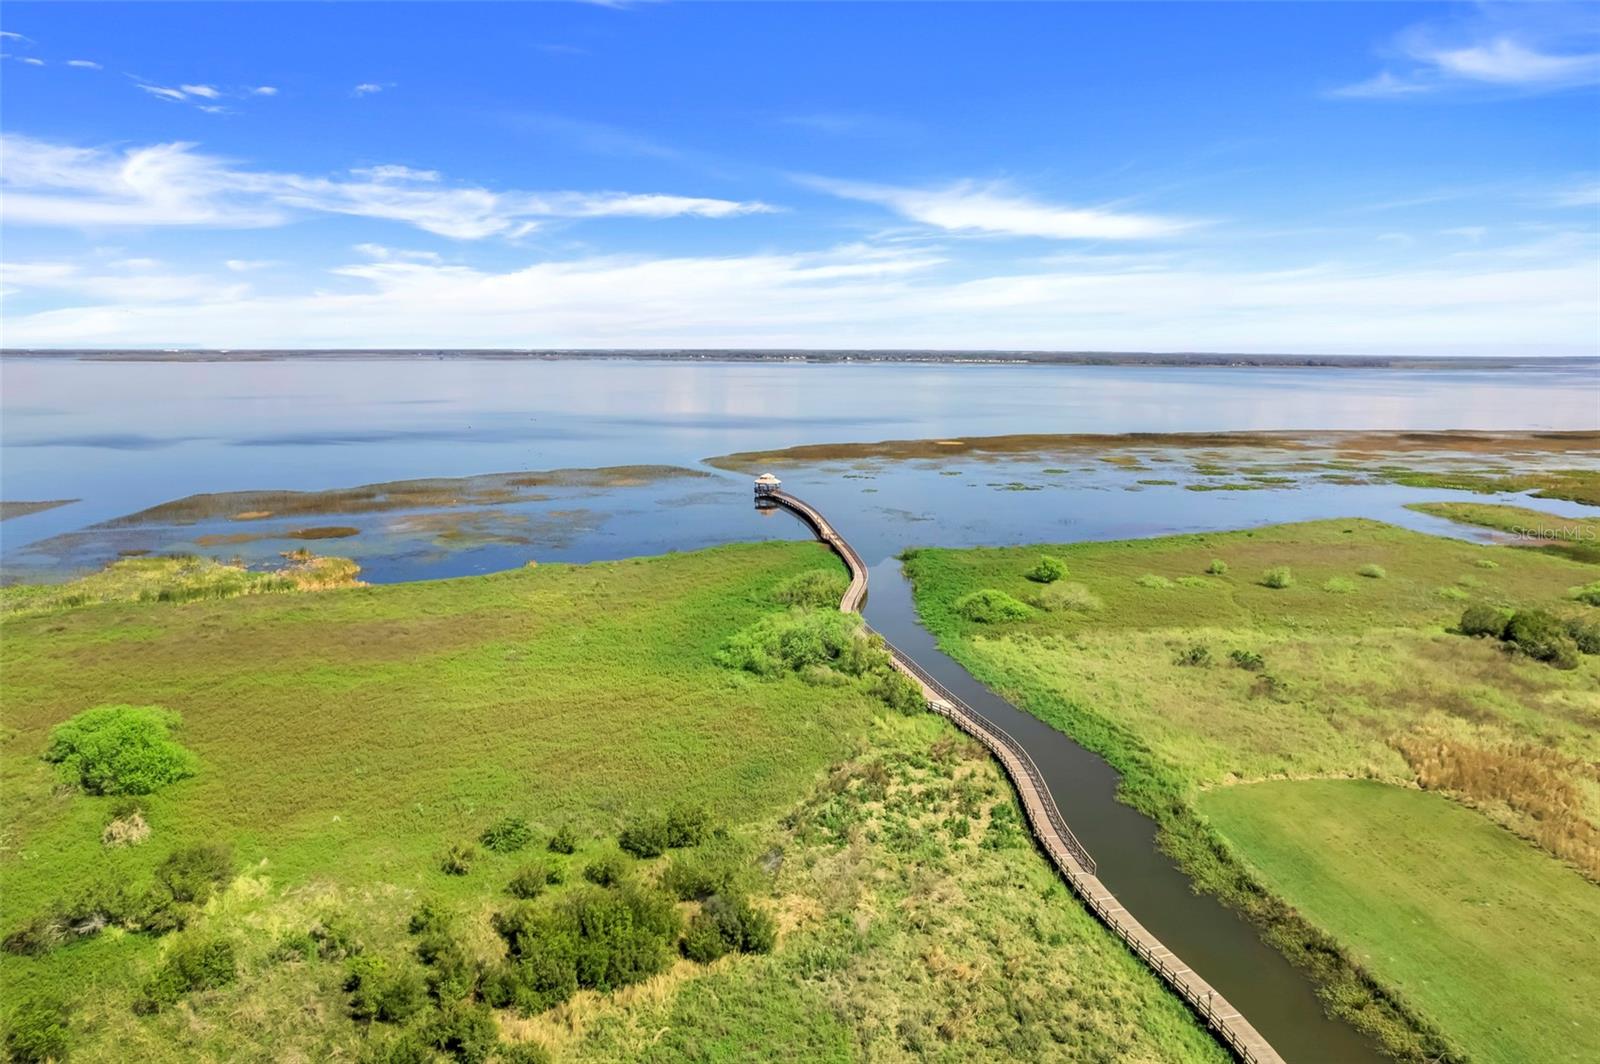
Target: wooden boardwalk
point(1048, 825)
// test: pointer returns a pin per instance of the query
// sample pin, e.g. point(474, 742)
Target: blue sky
point(1367, 178)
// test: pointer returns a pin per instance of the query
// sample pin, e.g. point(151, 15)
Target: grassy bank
point(1577, 538)
point(353, 749)
point(1296, 652)
point(1438, 900)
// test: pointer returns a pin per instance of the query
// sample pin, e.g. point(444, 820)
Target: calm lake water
point(124, 436)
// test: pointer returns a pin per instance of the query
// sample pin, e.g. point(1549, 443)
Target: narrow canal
point(1213, 939)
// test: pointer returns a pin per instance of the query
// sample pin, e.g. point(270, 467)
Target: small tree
point(1047, 570)
point(1484, 620)
point(120, 750)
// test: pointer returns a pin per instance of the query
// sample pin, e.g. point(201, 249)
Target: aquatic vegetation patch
point(988, 606)
point(814, 587)
point(17, 508)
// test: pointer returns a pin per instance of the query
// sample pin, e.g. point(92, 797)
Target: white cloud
point(206, 92)
point(162, 92)
point(246, 265)
point(30, 60)
point(84, 64)
point(8, 35)
point(862, 295)
point(1527, 48)
point(367, 88)
point(264, 90)
point(174, 184)
point(974, 207)
point(1580, 194)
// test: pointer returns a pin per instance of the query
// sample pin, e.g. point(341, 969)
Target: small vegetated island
point(1378, 743)
point(662, 809)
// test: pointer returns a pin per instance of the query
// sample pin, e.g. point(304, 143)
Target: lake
point(122, 437)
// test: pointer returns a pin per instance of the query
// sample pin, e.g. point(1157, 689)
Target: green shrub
point(383, 990)
point(687, 825)
point(1338, 585)
point(1278, 577)
point(789, 642)
point(457, 860)
point(1197, 655)
point(1048, 570)
point(1005, 828)
point(431, 917)
point(1486, 563)
point(529, 882)
point(1217, 567)
point(120, 750)
point(35, 938)
point(1454, 594)
point(194, 873)
point(507, 835)
point(1484, 620)
point(1588, 594)
point(1248, 660)
point(565, 840)
point(1372, 572)
point(524, 1053)
point(598, 939)
point(989, 606)
point(407, 1047)
point(452, 972)
point(1542, 637)
point(608, 870)
point(645, 836)
point(37, 1031)
point(199, 963)
point(1155, 582)
point(464, 1031)
point(703, 941)
point(698, 874)
point(898, 691)
point(740, 926)
point(1070, 596)
point(814, 587)
point(1585, 634)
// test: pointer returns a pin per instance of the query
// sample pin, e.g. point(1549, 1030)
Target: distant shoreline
point(783, 356)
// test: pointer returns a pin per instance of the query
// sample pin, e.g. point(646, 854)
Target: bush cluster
point(1155, 582)
point(592, 938)
point(1217, 567)
point(1372, 572)
point(457, 859)
point(814, 587)
point(1047, 570)
point(185, 879)
point(37, 1031)
point(1197, 655)
point(507, 835)
point(1278, 577)
point(120, 750)
point(565, 840)
point(1069, 596)
point(823, 646)
point(990, 606)
point(530, 880)
point(1537, 634)
point(653, 834)
point(1248, 660)
point(197, 963)
point(608, 870)
point(728, 925)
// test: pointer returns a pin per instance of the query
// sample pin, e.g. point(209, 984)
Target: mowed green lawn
point(1343, 675)
point(1470, 922)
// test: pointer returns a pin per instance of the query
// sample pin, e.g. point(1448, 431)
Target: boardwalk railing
point(969, 720)
point(1046, 821)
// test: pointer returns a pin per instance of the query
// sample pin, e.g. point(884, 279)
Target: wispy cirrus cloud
point(871, 295)
point(84, 64)
point(370, 88)
point(1524, 48)
point(993, 208)
point(50, 184)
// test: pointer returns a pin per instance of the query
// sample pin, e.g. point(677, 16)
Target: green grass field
point(1188, 678)
point(346, 738)
point(1470, 922)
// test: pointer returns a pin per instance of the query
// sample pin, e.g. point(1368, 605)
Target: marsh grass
point(184, 578)
point(1347, 682)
